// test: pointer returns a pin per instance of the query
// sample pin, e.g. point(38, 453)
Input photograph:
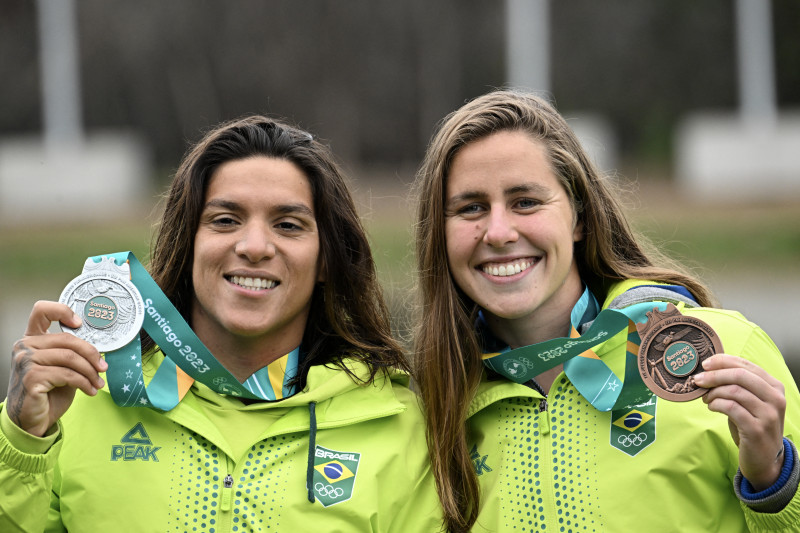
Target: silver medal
point(110, 306)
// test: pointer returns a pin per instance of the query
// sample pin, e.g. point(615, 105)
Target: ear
point(577, 233)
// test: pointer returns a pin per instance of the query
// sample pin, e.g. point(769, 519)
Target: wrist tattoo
point(21, 356)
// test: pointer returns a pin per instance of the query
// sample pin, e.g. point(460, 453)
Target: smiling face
point(510, 230)
point(256, 255)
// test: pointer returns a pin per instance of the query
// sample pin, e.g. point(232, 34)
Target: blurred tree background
point(373, 77)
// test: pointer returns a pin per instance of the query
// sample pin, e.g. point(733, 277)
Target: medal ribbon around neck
point(186, 358)
point(589, 373)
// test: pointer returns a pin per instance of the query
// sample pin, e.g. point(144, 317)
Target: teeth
point(255, 284)
point(509, 269)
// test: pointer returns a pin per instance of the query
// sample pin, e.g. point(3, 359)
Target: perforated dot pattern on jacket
point(548, 465)
point(257, 491)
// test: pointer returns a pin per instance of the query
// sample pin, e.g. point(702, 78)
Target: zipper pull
point(227, 493)
point(544, 422)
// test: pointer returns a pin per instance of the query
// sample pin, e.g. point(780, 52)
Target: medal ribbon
point(589, 373)
point(186, 359)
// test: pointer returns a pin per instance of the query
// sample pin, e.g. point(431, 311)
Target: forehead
point(260, 180)
point(507, 160)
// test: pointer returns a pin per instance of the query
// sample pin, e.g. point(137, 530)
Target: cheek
point(460, 240)
point(311, 262)
point(196, 260)
point(199, 257)
point(196, 275)
point(206, 255)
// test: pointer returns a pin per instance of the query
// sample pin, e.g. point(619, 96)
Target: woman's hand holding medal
point(47, 368)
point(755, 405)
point(753, 400)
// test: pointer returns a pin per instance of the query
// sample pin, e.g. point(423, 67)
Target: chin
point(244, 330)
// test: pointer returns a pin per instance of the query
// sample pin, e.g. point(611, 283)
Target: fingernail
point(700, 378)
point(103, 365)
point(100, 383)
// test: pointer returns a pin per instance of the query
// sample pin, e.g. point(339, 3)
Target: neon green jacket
point(662, 467)
point(215, 465)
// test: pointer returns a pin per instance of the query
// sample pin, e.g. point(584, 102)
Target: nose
point(255, 243)
point(500, 229)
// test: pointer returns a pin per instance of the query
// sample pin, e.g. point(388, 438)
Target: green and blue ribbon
point(186, 359)
point(590, 374)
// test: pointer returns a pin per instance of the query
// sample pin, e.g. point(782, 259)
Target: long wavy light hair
point(348, 315)
point(447, 356)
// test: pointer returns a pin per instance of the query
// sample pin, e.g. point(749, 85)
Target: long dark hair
point(447, 360)
point(348, 315)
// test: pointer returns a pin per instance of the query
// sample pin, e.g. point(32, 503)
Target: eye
point(470, 209)
point(287, 225)
point(223, 221)
point(294, 225)
point(526, 203)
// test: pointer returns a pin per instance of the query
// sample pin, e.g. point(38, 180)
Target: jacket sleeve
point(760, 349)
point(26, 477)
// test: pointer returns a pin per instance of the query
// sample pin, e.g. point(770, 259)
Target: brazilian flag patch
point(334, 475)
point(634, 429)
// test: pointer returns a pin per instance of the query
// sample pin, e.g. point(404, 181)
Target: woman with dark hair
point(261, 252)
point(535, 296)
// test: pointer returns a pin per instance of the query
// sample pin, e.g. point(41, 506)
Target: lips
point(252, 283)
point(508, 268)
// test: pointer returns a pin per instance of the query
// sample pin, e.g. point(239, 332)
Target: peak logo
point(479, 461)
point(135, 446)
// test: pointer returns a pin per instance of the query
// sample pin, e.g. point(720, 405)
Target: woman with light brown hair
point(537, 417)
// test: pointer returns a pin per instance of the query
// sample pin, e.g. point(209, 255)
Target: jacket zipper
point(227, 493)
point(538, 388)
point(225, 516)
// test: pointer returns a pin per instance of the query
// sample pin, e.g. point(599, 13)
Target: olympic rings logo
point(632, 440)
point(328, 490)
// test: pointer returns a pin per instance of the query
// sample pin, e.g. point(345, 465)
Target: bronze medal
point(673, 347)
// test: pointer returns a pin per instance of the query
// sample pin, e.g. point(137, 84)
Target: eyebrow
point(534, 188)
point(285, 209)
point(222, 204)
point(464, 197)
point(290, 209)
